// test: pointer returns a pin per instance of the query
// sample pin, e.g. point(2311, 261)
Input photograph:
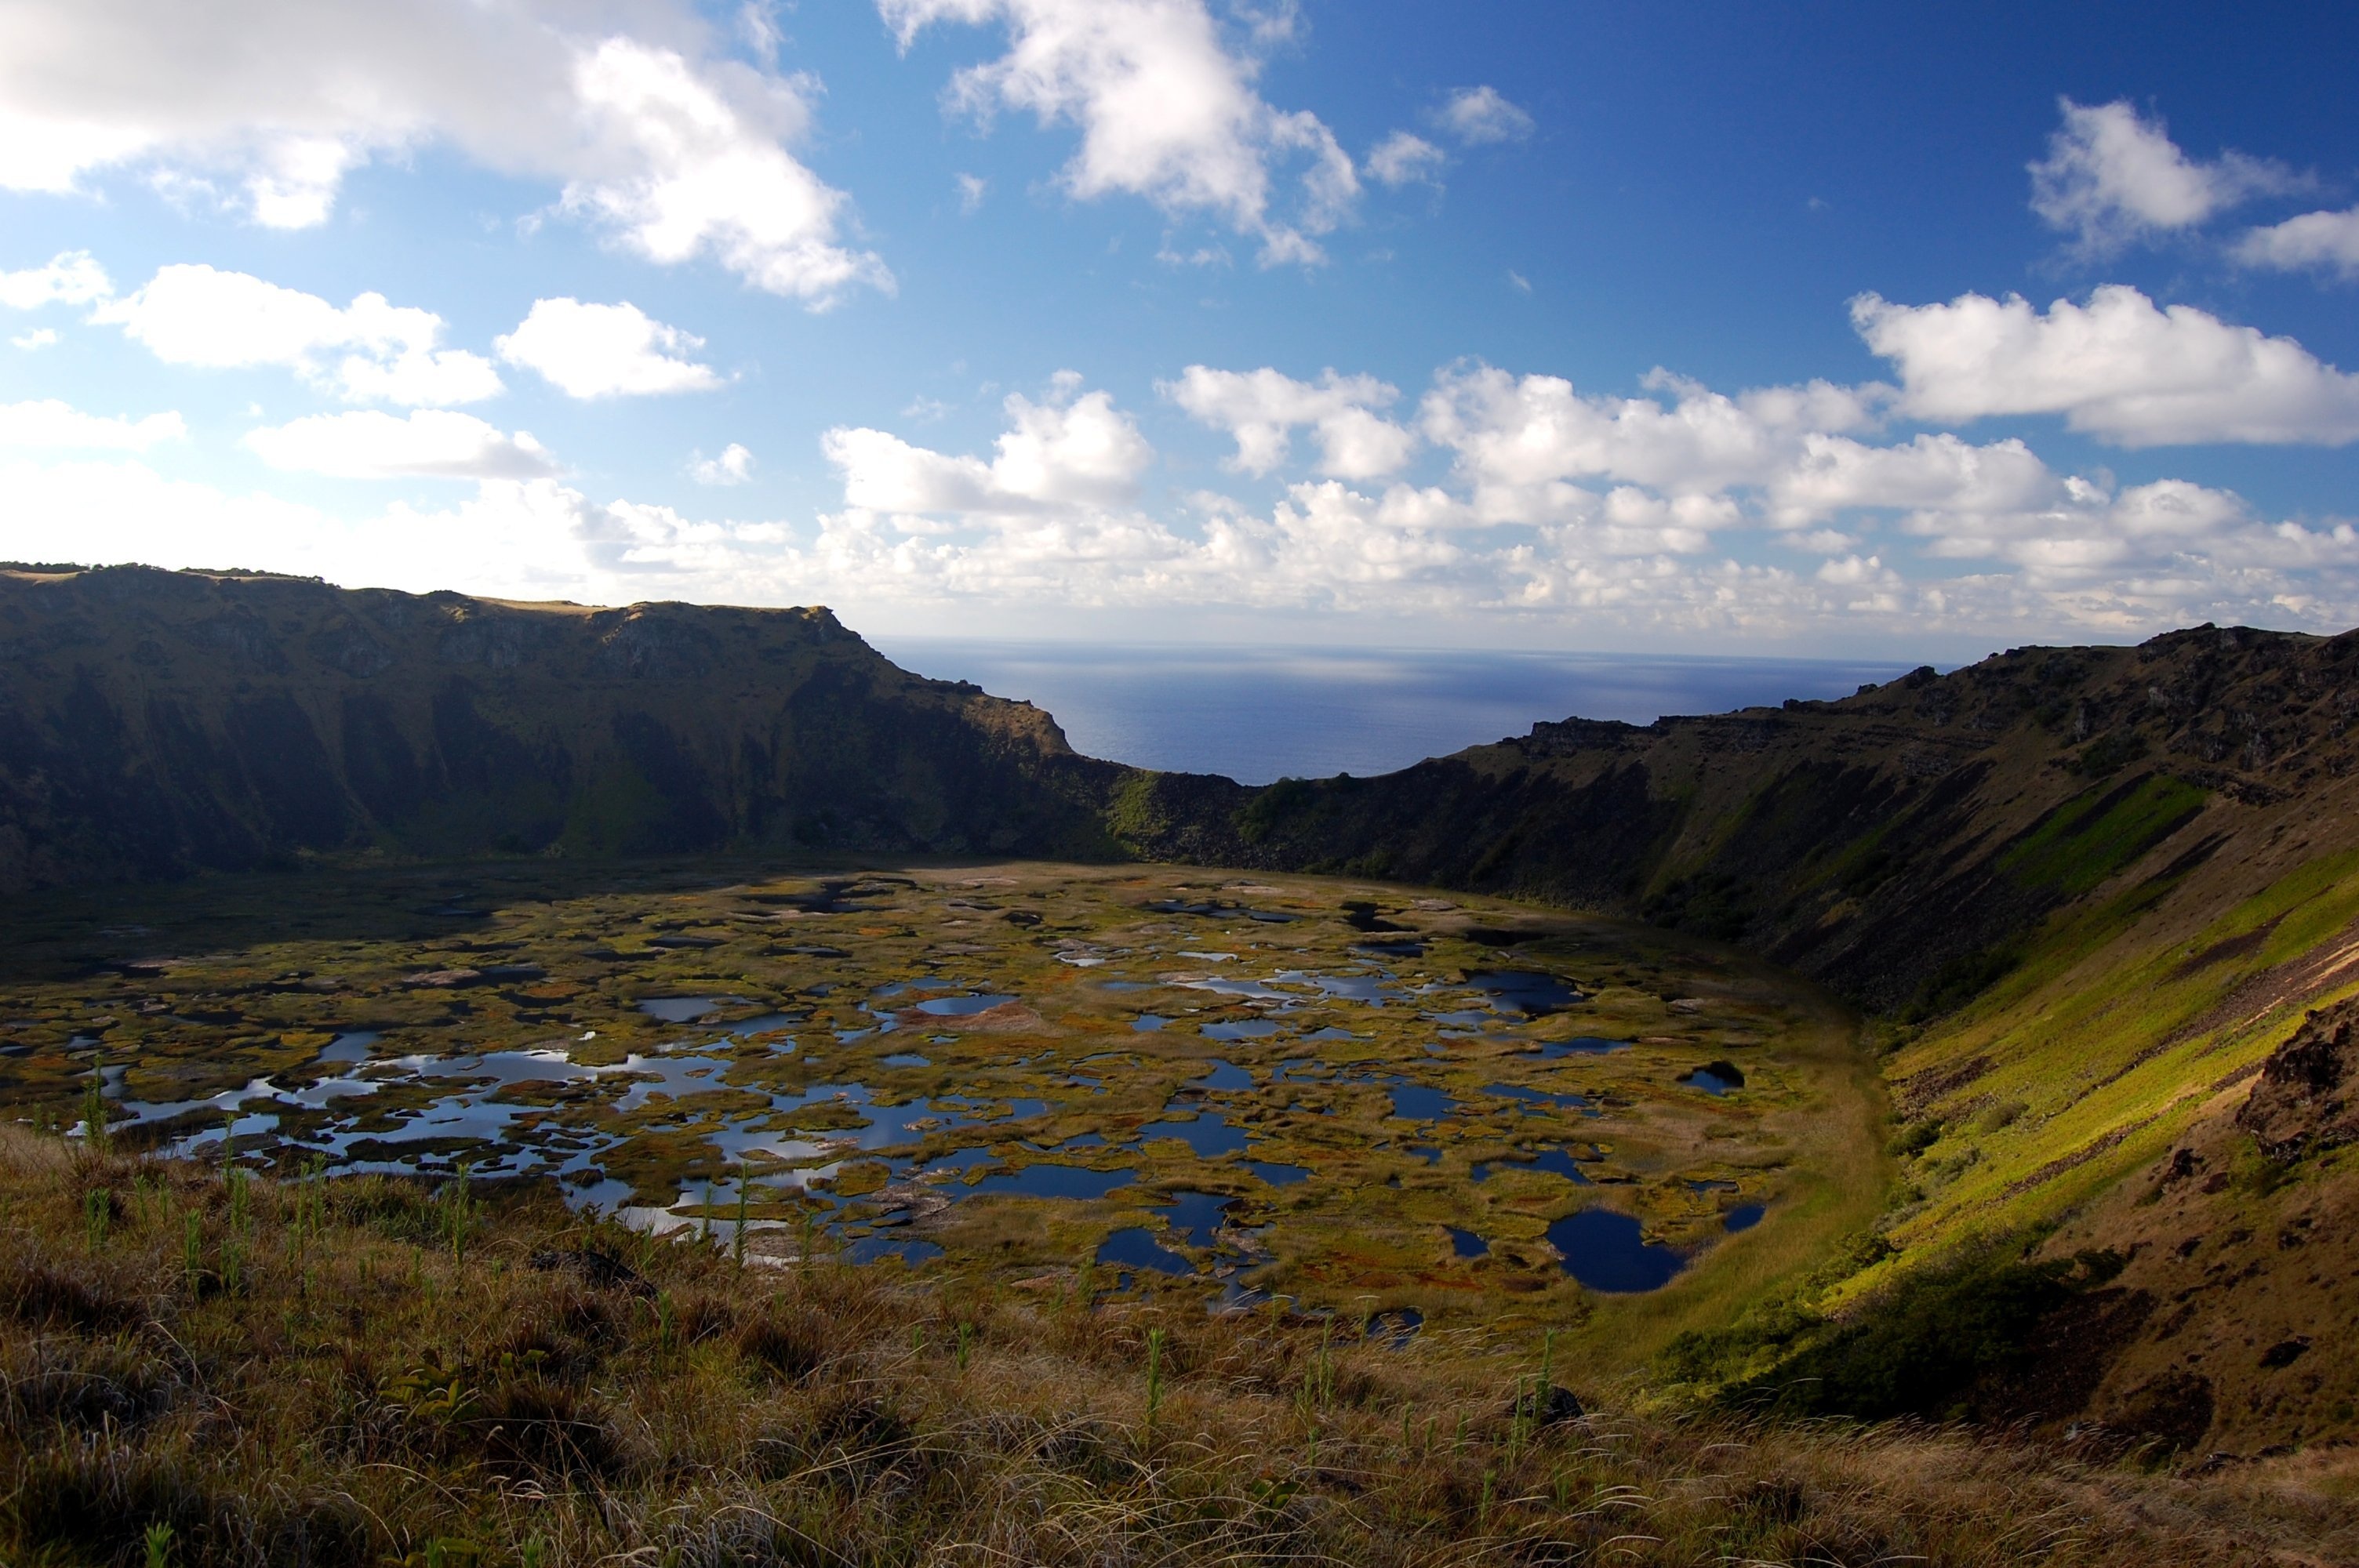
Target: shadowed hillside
point(1892, 844)
point(153, 723)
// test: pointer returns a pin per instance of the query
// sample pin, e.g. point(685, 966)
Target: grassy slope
point(2102, 885)
point(2133, 1028)
point(370, 1373)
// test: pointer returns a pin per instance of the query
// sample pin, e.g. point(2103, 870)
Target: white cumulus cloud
point(1479, 115)
point(604, 350)
point(2326, 241)
point(1165, 108)
point(71, 277)
point(1402, 159)
point(369, 350)
point(1260, 409)
point(684, 169)
point(733, 466)
point(428, 443)
point(2118, 367)
point(633, 109)
point(51, 425)
point(1520, 443)
point(1074, 453)
point(1834, 474)
point(2111, 176)
point(39, 338)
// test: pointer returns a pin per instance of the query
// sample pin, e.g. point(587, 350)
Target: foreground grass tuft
point(368, 1372)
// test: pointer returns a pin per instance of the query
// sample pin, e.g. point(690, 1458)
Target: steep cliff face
point(1897, 844)
point(156, 722)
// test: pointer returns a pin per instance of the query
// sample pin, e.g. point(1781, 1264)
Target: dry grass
point(321, 1373)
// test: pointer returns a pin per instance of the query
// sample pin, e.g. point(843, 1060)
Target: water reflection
point(1135, 1247)
point(680, 1008)
point(1528, 992)
point(1609, 1253)
point(1556, 1161)
point(1715, 1078)
point(1209, 1135)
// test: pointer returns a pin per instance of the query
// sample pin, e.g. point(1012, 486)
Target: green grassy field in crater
point(1341, 1105)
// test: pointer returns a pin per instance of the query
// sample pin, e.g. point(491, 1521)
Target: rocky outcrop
point(2304, 1100)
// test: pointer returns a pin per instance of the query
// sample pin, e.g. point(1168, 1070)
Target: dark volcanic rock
point(2303, 1101)
point(1545, 1407)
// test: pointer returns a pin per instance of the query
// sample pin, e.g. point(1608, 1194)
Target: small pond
point(1528, 992)
point(1609, 1253)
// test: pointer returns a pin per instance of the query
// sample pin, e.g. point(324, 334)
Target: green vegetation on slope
point(2093, 835)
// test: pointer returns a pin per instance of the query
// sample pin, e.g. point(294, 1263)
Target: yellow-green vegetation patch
point(1347, 1094)
point(2092, 1057)
point(2092, 836)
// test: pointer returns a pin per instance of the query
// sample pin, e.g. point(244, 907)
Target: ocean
point(1261, 714)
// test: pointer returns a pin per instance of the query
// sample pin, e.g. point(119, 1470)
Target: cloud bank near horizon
point(1495, 495)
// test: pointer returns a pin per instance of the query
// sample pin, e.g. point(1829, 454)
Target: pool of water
point(1538, 1096)
point(1243, 989)
point(344, 1050)
point(1242, 1029)
point(1369, 988)
point(1135, 1247)
point(1529, 993)
point(1555, 1162)
point(1276, 1175)
point(680, 1009)
point(768, 1023)
point(1579, 1045)
point(1209, 1135)
point(1609, 1253)
point(1422, 1102)
point(1218, 910)
point(910, 1249)
point(961, 1006)
point(1743, 1216)
point(1404, 949)
point(1052, 1181)
point(1466, 1244)
point(1195, 1218)
point(1225, 1075)
point(1149, 1023)
point(1718, 1078)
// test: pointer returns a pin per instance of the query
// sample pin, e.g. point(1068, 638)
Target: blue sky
point(1819, 329)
